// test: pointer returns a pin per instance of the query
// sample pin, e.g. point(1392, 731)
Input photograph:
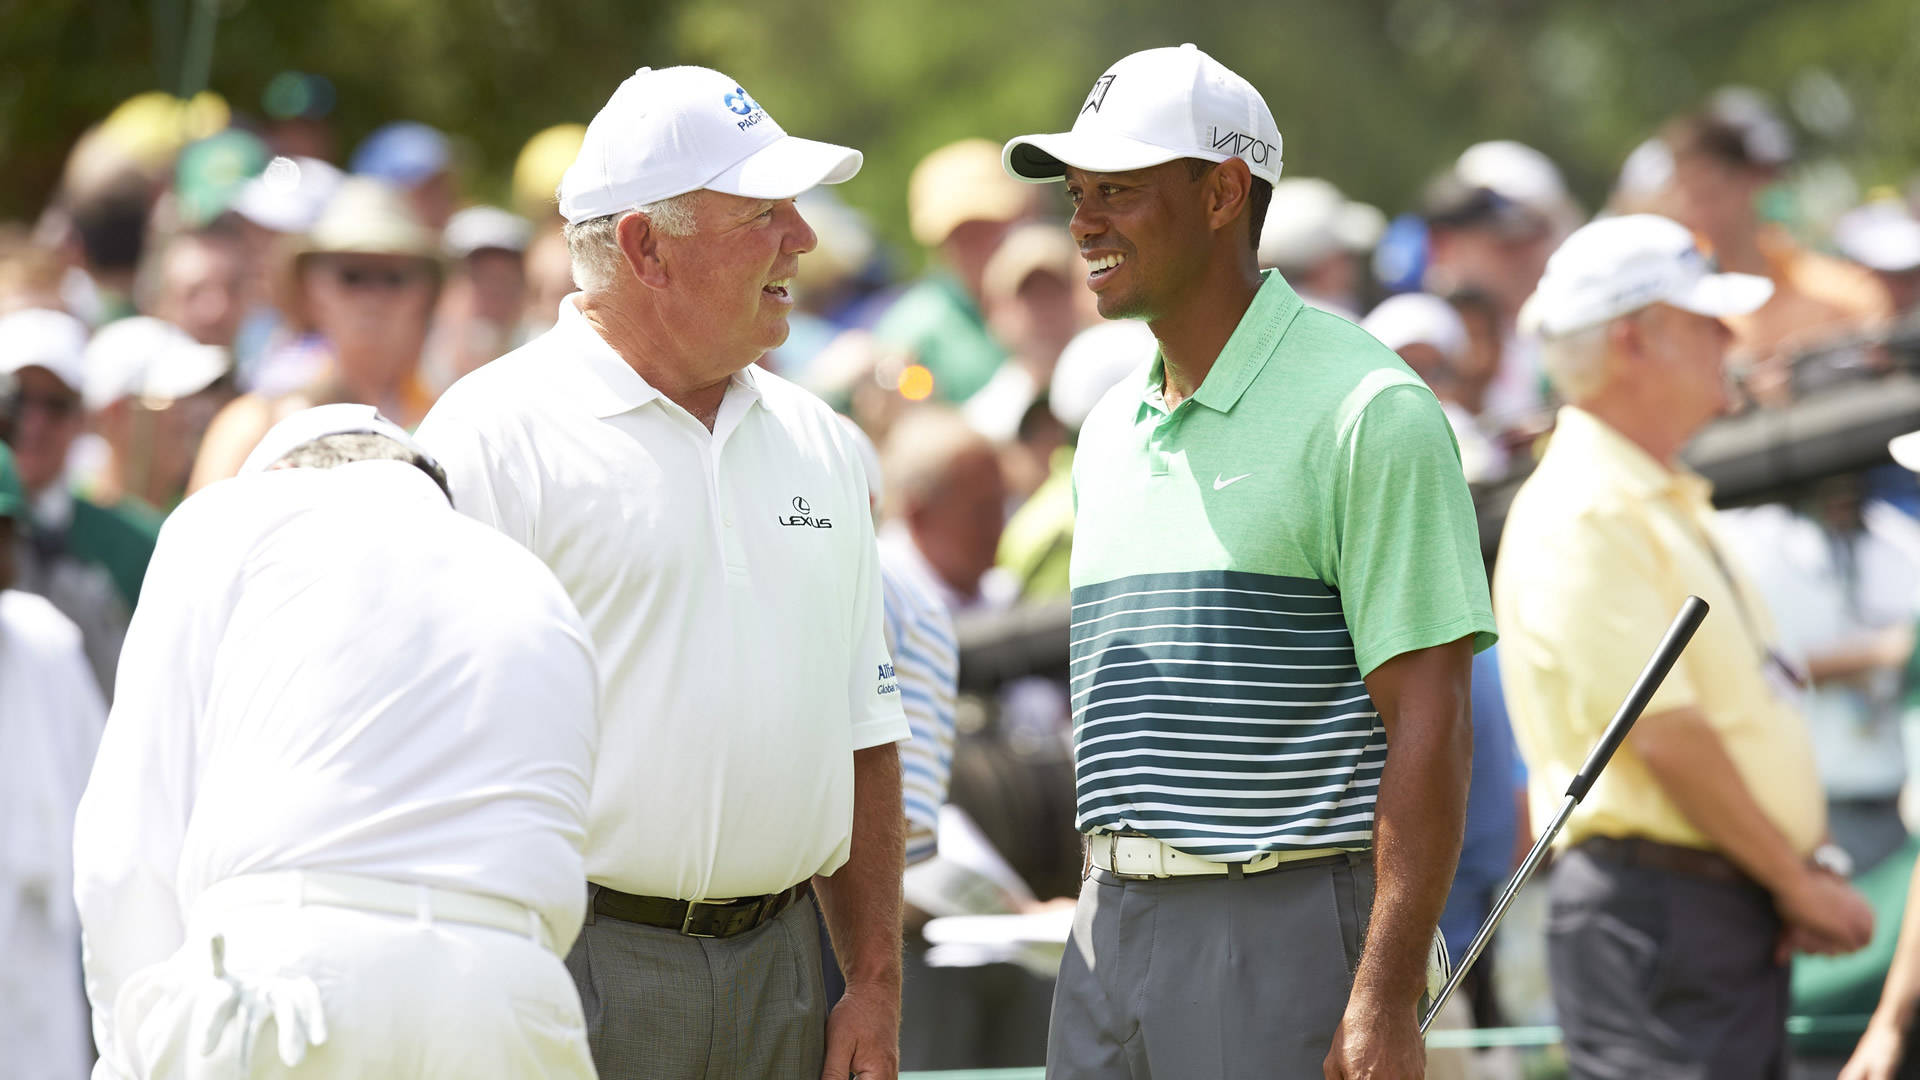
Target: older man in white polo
point(710, 521)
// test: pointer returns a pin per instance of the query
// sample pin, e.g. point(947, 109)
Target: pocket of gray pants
point(1345, 887)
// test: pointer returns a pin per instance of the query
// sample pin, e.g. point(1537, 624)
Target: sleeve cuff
point(890, 727)
point(1479, 624)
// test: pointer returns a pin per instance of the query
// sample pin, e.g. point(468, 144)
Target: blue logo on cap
point(739, 103)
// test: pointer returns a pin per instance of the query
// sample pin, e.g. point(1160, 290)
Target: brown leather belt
point(1640, 851)
point(696, 918)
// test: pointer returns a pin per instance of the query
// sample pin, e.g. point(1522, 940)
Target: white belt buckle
point(1156, 867)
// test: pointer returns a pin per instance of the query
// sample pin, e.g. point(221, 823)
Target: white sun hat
point(1619, 265)
point(319, 422)
point(681, 129)
point(1153, 107)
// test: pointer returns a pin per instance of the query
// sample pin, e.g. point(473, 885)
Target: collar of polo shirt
point(606, 384)
point(1246, 352)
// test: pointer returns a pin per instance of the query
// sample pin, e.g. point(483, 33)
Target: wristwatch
point(1834, 859)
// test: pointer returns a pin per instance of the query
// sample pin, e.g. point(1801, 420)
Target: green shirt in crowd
point(948, 335)
point(1240, 564)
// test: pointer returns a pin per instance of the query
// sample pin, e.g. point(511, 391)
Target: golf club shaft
point(1664, 657)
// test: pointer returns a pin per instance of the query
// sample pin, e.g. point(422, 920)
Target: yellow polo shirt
point(1601, 546)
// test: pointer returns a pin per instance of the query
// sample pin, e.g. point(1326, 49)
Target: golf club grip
point(1664, 657)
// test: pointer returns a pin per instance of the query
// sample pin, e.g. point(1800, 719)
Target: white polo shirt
point(330, 670)
point(732, 588)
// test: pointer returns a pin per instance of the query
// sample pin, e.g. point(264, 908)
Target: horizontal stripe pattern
point(1222, 712)
point(926, 661)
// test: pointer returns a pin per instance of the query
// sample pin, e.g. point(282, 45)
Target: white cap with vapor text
point(1618, 265)
point(1153, 107)
point(319, 422)
point(679, 129)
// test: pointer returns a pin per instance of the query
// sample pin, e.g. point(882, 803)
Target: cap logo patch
point(1241, 144)
point(739, 103)
point(1098, 95)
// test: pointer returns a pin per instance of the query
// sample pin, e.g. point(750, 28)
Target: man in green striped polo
point(1277, 593)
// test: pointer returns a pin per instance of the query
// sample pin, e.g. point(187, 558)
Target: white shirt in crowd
point(1824, 598)
point(50, 717)
point(730, 581)
point(331, 671)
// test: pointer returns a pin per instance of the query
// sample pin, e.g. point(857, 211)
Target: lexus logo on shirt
point(803, 515)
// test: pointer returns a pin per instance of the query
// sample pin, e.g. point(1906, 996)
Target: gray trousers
point(663, 1006)
point(1664, 976)
point(1210, 978)
point(988, 1017)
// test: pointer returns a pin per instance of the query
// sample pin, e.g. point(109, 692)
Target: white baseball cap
point(289, 195)
point(681, 129)
point(1881, 236)
point(1417, 319)
point(319, 422)
point(44, 338)
point(481, 228)
point(1619, 265)
point(1097, 359)
point(1518, 173)
point(1153, 107)
point(147, 357)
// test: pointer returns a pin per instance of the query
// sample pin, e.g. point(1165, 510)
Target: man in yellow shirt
point(1688, 875)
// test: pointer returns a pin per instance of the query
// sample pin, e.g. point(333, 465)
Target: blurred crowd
point(203, 271)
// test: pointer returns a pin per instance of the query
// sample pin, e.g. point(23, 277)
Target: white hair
point(1576, 362)
point(595, 247)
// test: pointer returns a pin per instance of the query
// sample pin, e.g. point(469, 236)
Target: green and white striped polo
point(1240, 564)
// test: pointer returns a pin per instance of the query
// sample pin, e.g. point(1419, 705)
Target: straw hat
point(368, 217)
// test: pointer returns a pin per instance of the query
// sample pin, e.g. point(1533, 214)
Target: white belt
point(296, 888)
point(1145, 857)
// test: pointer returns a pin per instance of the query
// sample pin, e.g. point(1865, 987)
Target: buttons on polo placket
point(732, 552)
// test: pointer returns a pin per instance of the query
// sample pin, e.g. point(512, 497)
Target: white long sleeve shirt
point(50, 717)
point(331, 670)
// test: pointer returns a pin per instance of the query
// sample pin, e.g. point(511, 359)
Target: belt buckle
point(686, 921)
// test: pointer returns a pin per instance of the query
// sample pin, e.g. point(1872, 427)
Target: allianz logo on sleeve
point(803, 516)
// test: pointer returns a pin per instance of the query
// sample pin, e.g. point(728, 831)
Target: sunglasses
point(382, 278)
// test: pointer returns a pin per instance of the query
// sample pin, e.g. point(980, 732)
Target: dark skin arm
point(861, 901)
point(1419, 820)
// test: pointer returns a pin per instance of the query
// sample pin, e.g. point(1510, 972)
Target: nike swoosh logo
point(1219, 483)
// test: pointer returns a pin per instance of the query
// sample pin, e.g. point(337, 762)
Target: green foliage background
point(1374, 94)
